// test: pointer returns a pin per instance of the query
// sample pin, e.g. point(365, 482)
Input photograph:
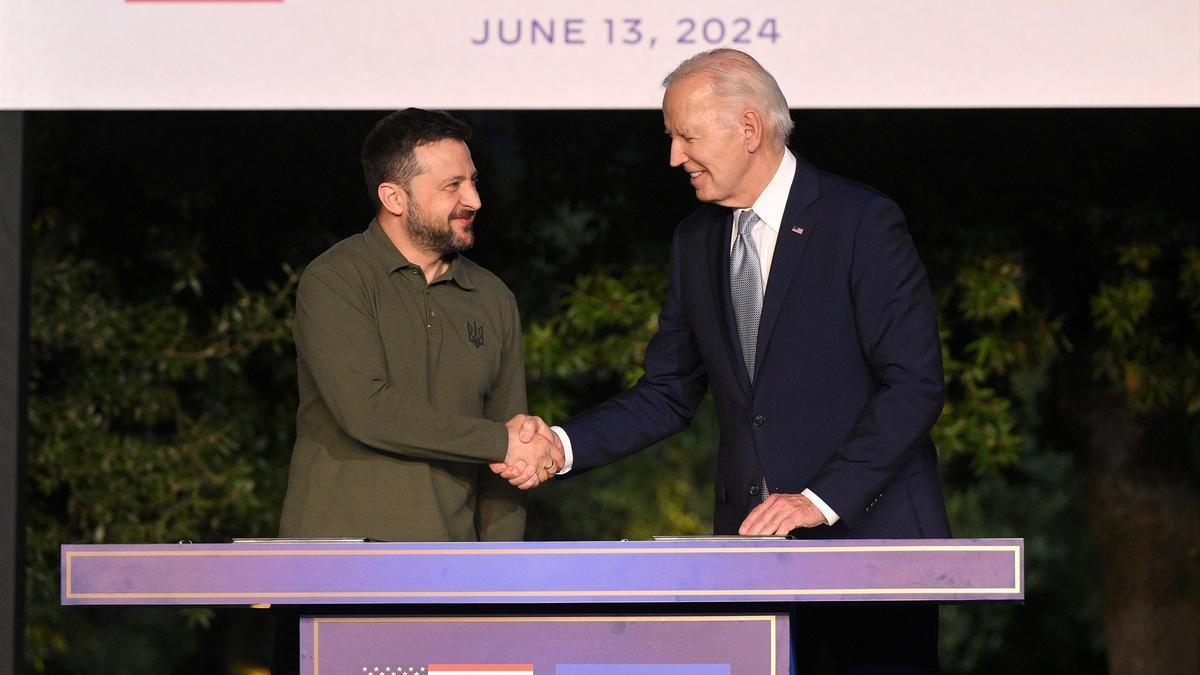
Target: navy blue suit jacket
point(849, 378)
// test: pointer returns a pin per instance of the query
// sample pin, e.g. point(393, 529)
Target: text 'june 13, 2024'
point(625, 31)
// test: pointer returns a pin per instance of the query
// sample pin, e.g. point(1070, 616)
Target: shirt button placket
point(429, 313)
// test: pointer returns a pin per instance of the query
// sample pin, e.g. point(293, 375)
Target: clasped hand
point(535, 453)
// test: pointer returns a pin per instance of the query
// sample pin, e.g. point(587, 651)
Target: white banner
point(460, 54)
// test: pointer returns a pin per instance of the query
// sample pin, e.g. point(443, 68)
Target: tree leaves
point(144, 425)
point(992, 340)
point(1148, 349)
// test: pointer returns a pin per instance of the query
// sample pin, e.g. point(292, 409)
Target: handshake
point(535, 453)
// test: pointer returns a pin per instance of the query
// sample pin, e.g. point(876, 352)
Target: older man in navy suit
point(799, 298)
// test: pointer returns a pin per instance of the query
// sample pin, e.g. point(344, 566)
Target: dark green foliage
point(993, 344)
point(1058, 628)
point(148, 421)
point(1146, 312)
point(594, 347)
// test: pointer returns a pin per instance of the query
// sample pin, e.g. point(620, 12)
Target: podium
point(696, 606)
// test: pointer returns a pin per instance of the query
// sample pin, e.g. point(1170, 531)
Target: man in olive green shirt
point(410, 362)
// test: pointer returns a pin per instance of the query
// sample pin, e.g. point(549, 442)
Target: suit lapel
point(794, 234)
point(719, 236)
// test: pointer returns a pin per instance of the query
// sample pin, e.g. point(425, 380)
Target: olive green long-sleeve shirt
point(404, 390)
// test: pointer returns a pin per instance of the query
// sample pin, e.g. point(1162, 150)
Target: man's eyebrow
point(460, 178)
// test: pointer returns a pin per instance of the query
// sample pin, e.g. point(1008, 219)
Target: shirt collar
point(393, 260)
point(770, 204)
point(458, 272)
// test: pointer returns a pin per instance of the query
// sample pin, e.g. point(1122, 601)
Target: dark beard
point(437, 238)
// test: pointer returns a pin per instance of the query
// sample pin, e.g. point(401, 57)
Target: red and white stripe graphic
point(481, 668)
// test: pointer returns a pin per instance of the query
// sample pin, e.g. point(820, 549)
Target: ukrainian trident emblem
point(475, 333)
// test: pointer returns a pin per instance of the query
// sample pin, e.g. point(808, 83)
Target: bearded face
point(442, 198)
point(438, 235)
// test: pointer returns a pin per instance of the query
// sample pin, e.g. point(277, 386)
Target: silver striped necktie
point(746, 287)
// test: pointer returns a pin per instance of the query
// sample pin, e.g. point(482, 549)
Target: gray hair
point(736, 74)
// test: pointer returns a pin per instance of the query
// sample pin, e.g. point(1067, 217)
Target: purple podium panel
point(724, 570)
point(546, 645)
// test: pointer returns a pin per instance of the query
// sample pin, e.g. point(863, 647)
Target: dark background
point(259, 188)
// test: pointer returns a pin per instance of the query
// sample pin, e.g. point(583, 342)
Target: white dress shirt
point(769, 208)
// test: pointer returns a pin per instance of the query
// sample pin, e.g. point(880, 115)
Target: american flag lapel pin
point(798, 230)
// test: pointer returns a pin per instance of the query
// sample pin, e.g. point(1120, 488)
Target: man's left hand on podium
point(780, 514)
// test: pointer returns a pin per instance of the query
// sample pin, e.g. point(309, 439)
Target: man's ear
point(393, 198)
point(751, 126)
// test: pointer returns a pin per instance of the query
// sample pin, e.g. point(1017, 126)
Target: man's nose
point(678, 157)
point(469, 197)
